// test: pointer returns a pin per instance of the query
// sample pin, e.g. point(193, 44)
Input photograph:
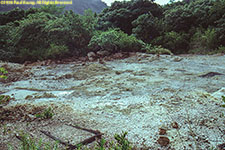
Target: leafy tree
point(29, 38)
point(71, 30)
point(217, 10)
point(11, 16)
point(122, 14)
point(201, 12)
point(179, 19)
point(146, 27)
point(19, 14)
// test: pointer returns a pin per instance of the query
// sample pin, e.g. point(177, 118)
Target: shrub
point(223, 99)
point(4, 99)
point(221, 49)
point(158, 50)
point(3, 73)
point(56, 51)
point(203, 41)
point(176, 42)
point(46, 114)
point(115, 40)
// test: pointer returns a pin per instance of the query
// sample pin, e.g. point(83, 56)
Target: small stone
point(101, 61)
point(68, 76)
point(83, 58)
point(163, 141)
point(29, 97)
point(175, 125)
point(117, 55)
point(103, 53)
point(162, 131)
point(118, 72)
point(91, 56)
point(177, 59)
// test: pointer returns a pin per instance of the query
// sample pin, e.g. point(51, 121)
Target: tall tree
point(122, 14)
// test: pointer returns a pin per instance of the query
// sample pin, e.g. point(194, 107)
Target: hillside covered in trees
point(194, 26)
point(77, 6)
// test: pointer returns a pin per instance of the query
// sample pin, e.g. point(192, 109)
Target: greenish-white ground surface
point(139, 94)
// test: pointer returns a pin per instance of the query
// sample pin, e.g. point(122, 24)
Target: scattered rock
point(91, 56)
point(175, 125)
point(15, 71)
point(221, 146)
point(101, 61)
point(27, 63)
point(68, 76)
point(177, 59)
point(103, 53)
point(83, 58)
point(210, 74)
point(38, 96)
point(117, 55)
point(29, 97)
point(118, 72)
point(162, 131)
point(163, 141)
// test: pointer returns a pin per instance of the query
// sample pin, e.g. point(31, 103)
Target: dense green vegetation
point(194, 26)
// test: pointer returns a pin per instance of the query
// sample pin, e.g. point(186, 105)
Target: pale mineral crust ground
point(141, 94)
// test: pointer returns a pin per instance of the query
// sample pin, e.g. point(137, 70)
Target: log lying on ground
point(70, 146)
point(97, 135)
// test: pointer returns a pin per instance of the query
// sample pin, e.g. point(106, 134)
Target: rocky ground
point(164, 102)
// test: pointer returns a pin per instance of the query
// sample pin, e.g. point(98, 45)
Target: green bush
point(115, 40)
point(3, 73)
point(176, 42)
point(158, 50)
point(46, 114)
point(221, 49)
point(203, 41)
point(4, 99)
